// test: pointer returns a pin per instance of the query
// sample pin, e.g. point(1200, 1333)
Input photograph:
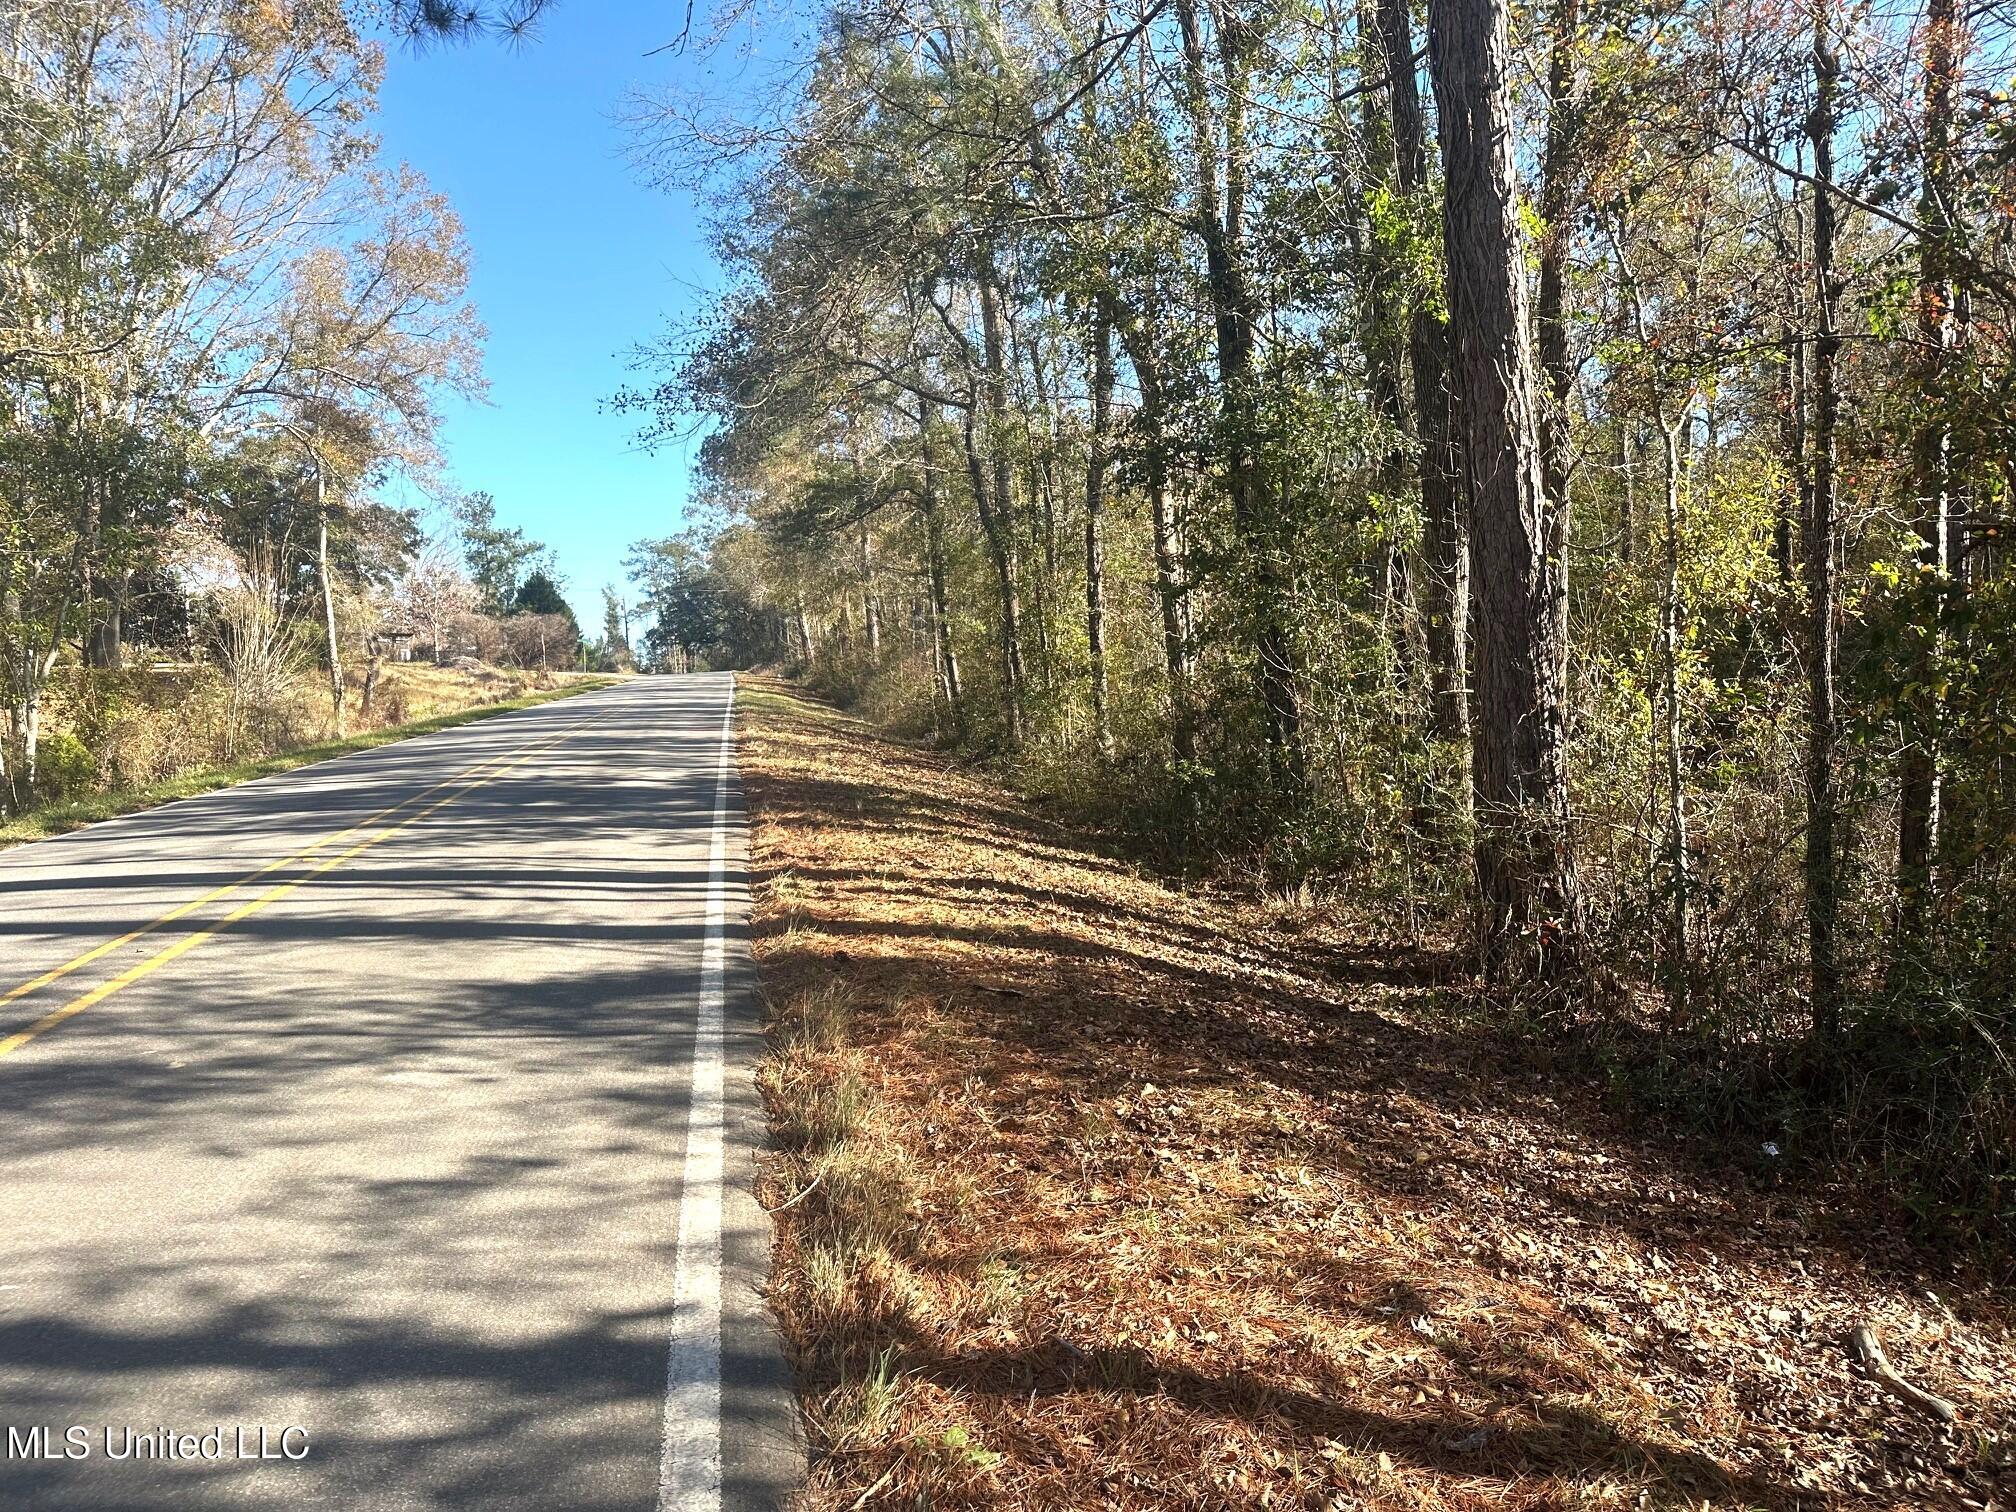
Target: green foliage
point(63, 767)
point(966, 230)
point(497, 556)
point(539, 594)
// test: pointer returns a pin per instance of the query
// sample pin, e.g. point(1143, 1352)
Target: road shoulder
point(1092, 1192)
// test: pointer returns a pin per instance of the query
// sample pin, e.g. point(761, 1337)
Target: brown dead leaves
point(1134, 1199)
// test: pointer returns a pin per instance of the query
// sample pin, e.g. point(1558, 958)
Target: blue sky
point(574, 260)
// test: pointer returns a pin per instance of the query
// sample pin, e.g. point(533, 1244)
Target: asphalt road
point(426, 1133)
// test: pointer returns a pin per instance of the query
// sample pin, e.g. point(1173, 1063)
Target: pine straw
point(1103, 1195)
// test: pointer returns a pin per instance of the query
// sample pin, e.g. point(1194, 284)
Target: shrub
point(63, 766)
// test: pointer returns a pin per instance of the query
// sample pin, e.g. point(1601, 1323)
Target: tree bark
point(1532, 913)
point(1560, 184)
point(1921, 783)
point(1220, 221)
point(1172, 587)
point(374, 650)
point(993, 496)
point(328, 598)
point(802, 623)
point(1445, 531)
point(936, 572)
point(871, 606)
point(1823, 732)
point(104, 642)
point(1096, 458)
point(1678, 859)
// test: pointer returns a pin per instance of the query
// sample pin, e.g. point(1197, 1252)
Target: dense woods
point(1541, 471)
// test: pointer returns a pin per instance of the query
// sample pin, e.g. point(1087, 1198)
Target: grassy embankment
point(458, 697)
point(1091, 1193)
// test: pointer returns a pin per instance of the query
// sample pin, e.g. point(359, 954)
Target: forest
point(1537, 472)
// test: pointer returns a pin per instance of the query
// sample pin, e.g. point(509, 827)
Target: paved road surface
point(418, 1153)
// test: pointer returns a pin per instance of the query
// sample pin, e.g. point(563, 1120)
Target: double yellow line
point(452, 788)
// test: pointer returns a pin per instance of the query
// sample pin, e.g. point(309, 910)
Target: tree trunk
point(1532, 916)
point(104, 641)
point(935, 569)
point(328, 599)
point(1823, 732)
point(1792, 443)
point(1220, 218)
point(374, 650)
point(1172, 589)
point(1380, 331)
point(1559, 188)
point(871, 608)
point(1627, 513)
point(1001, 552)
point(993, 497)
point(1678, 863)
point(1445, 531)
point(1044, 490)
point(1920, 780)
point(1096, 451)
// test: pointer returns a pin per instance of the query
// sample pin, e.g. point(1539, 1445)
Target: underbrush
point(1905, 1099)
point(1919, 1091)
point(1090, 1192)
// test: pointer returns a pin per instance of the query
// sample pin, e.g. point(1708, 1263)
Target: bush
point(63, 766)
point(541, 641)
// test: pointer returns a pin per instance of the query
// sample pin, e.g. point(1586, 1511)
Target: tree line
point(227, 319)
point(1546, 467)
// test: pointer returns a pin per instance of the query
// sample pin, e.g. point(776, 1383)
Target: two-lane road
point(403, 1101)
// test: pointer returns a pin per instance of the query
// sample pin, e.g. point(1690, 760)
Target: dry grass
point(158, 748)
point(1101, 1195)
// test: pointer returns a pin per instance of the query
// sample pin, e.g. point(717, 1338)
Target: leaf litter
point(1106, 1195)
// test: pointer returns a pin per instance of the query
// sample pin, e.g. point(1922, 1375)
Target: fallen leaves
point(1214, 1205)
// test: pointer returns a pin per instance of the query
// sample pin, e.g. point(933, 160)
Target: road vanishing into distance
point(379, 1135)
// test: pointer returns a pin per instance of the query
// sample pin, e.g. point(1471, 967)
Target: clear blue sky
point(574, 260)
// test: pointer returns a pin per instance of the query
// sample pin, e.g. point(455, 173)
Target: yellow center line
point(152, 963)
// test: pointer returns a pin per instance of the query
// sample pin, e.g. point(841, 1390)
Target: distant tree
point(615, 651)
point(496, 556)
point(540, 640)
point(433, 593)
point(539, 594)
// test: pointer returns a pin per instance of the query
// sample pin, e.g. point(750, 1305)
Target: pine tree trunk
point(1560, 181)
point(1526, 877)
point(1445, 545)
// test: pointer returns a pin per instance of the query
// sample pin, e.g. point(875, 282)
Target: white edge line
point(689, 1461)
